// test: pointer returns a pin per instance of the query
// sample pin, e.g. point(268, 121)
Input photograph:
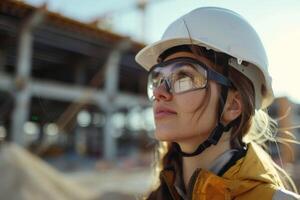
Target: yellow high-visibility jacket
point(250, 178)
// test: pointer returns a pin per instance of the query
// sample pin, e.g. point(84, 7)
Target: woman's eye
point(183, 84)
point(181, 75)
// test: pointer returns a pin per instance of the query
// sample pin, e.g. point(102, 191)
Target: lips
point(163, 112)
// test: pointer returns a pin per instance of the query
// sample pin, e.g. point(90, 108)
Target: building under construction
point(66, 82)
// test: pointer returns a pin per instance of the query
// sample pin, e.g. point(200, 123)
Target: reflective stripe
point(282, 194)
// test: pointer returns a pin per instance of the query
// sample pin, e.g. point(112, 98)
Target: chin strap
point(213, 138)
point(216, 134)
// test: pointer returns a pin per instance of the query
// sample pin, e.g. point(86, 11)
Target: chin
point(166, 136)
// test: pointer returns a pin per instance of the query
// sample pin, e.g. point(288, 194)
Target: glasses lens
point(154, 80)
point(188, 77)
point(181, 76)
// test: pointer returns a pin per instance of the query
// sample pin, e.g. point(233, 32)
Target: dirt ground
point(25, 176)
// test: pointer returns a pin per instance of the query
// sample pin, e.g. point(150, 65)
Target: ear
point(233, 107)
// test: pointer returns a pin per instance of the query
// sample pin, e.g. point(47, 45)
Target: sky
point(276, 22)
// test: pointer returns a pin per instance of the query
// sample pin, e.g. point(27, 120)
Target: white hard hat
point(221, 30)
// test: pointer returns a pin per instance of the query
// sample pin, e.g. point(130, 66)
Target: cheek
point(192, 120)
point(185, 124)
point(188, 104)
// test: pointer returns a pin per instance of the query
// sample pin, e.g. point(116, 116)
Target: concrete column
point(111, 90)
point(23, 69)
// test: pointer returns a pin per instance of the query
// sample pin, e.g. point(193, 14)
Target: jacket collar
point(252, 170)
point(247, 173)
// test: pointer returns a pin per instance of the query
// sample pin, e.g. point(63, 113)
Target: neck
point(203, 160)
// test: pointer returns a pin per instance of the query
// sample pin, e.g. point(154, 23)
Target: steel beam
point(72, 93)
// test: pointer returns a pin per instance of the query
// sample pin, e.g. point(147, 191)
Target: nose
point(162, 93)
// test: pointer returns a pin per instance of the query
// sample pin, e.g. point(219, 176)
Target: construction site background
point(75, 122)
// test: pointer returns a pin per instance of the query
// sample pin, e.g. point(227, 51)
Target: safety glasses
point(182, 75)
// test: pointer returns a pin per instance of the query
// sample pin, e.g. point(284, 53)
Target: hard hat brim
point(149, 55)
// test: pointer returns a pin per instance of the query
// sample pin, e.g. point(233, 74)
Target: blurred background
point(75, 122)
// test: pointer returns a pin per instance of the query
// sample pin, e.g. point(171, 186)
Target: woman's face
point(178, 117)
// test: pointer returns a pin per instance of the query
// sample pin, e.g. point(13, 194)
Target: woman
point(209, 83)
